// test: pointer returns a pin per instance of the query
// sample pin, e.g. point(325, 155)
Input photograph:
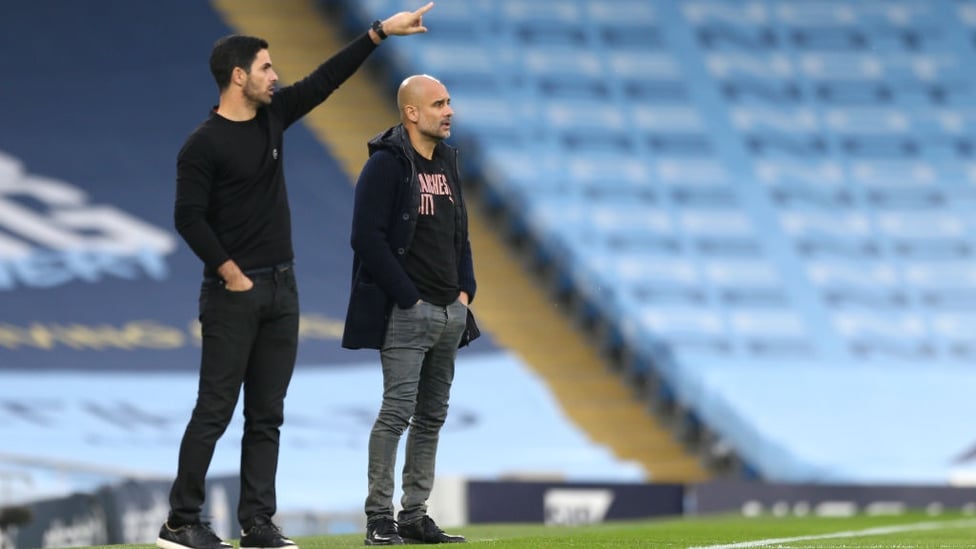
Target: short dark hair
point(233, 51)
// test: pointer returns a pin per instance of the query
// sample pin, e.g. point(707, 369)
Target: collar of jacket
point(397, 140)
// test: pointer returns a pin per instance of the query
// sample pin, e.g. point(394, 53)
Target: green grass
point(909, 531)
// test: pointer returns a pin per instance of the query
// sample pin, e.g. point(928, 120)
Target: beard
point(436, 133)
point(256, 95)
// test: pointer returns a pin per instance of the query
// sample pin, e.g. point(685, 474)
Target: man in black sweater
point(232, 210)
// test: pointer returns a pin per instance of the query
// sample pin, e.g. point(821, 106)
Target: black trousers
point(250, 339)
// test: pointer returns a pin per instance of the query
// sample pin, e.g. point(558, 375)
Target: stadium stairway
point(510, 304)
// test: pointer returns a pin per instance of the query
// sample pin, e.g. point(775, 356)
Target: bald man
point(413, 279)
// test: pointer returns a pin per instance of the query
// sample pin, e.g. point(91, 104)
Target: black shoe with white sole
point(264, 534)
point(426, 530)
point(197, 535)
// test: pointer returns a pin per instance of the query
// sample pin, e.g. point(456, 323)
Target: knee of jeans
point(428, 422)
point(265, 421)
point(395, 420)
point(215, 416)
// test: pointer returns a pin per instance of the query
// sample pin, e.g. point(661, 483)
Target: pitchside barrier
point(557, 503)
point(129, 512)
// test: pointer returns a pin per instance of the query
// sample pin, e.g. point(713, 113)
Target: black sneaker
point(383, 531)
point(197, 535)
point(426, 530)
point(264, 534)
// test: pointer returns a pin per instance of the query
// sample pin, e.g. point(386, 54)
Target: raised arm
point(295, 101)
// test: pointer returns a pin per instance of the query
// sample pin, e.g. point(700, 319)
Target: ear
point(239, 76)
point(412, 114)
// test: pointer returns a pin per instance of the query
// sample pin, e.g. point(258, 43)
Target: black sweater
point(231, 201)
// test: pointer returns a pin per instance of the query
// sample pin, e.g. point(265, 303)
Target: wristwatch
point(377, 27)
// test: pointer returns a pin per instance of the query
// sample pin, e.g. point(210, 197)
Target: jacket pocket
point(471, 331)
point(366, 317)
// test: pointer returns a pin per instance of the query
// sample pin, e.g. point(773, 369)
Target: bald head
point(414, 90)
point(425, 111)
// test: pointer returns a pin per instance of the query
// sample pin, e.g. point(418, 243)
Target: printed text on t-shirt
point(431, 185)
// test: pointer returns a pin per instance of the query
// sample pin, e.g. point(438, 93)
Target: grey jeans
point(418, 369)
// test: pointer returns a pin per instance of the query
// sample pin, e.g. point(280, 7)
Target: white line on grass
point(877, 531)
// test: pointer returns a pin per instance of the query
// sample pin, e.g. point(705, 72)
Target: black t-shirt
point(431, 262)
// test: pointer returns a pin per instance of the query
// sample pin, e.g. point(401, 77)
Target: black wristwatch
point(377, 27)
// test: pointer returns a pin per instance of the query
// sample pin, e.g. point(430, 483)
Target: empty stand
point(740, 189)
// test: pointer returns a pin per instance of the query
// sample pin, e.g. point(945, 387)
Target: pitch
point(904, 531)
